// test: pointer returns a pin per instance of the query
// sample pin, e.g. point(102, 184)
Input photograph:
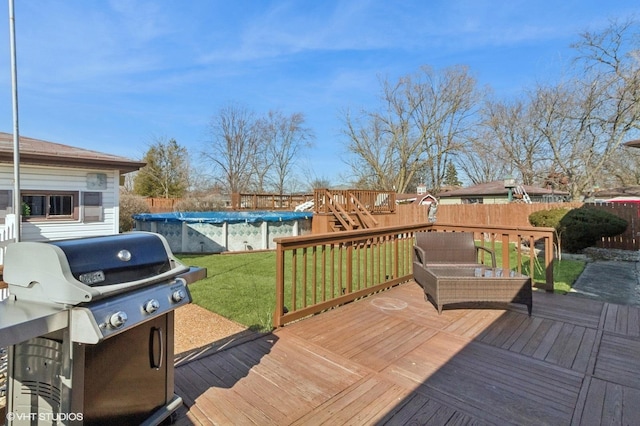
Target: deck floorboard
point(391, 359)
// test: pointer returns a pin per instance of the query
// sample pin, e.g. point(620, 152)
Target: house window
point(471, 200)
point(50, 205)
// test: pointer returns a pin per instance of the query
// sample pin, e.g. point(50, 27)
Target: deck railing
point(7, 235)
point(354, 200)
point(522, 241)
point(318, 272)
point(241, 201)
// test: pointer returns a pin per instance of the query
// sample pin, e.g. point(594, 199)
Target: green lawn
point(241, 287)
point(565, 272)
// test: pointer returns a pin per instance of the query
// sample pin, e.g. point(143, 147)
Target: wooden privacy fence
point(161, 205)
point(629, 239)
point(318, 272)
point(514, 214)
point(517, 214)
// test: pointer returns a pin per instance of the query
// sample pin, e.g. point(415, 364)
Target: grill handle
point(156, 348)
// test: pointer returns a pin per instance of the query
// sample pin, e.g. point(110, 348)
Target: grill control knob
point(151, 306)
point(118, 319)
point(178, 295)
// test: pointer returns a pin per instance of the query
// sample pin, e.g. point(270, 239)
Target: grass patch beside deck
point(240, 287)
point(565, 273)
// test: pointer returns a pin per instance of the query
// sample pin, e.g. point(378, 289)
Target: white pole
point(17, 199)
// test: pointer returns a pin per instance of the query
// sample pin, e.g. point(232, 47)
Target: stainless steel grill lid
point(77, 271)
point(122, 258)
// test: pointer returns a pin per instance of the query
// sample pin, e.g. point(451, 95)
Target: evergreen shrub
point(580, 228)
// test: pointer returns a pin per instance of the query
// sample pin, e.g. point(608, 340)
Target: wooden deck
point(391, 359)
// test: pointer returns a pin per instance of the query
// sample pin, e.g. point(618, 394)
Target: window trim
point(75, 206)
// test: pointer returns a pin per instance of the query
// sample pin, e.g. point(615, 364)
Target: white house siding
point(486, 199)
point(65, 179)
point(452, 200)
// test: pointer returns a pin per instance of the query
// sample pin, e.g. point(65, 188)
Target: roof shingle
point(39, 152)
point(496, 188)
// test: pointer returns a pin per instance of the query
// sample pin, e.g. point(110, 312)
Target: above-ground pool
point(216, 232)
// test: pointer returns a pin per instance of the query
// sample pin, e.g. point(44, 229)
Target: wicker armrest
point(491, 252)
point(419, 255)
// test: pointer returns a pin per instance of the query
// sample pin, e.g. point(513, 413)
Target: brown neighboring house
point(626, 192)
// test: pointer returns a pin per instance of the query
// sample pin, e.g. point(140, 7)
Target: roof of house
point(407, 197)
point(39, 152)
point(623, 191)
point(496, 188)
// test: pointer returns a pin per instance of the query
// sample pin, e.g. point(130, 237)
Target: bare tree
point(260, 166)
point(284, 139)
point(319, 183)
point(479, 160)
point(312, 180)
point(585, 120)
point(516, 145)
point(233, 147)
point(422, 124)
point(374, 163)
point(448, 115)
point(622, 168)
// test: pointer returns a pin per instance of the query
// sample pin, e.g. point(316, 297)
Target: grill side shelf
point(21, 321)
point(194, 274)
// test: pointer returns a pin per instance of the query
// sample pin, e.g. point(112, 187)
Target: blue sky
point(116, 75)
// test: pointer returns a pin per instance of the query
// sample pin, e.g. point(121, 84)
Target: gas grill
point(95, 316)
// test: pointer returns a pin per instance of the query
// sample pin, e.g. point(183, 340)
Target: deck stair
point(362, 213)
point(341, 220)
point(347, 212)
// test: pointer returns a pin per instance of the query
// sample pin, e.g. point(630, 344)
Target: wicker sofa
point(448, 249)
point(447, 266)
